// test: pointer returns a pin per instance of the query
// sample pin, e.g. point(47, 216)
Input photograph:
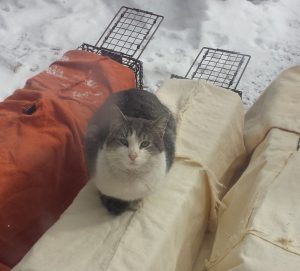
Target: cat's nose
point(132, 156)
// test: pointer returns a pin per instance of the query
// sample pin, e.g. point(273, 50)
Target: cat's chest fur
point(129, 185)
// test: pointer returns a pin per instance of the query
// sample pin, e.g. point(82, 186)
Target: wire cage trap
point(220, 67)
point(134, 64)
point(126, 37)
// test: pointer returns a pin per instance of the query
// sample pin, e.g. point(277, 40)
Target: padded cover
point(260, 229)
point(41, 144)
point(166, 233)
point(277, 107)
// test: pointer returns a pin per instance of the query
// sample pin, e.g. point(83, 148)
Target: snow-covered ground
point(34, 33)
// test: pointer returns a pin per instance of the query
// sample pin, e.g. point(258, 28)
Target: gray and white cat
point(130, 146)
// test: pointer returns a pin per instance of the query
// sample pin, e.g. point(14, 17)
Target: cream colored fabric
point(166, 233)
point(278, 107)
point(260, 228)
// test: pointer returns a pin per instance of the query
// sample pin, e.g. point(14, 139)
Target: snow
point(34, 33)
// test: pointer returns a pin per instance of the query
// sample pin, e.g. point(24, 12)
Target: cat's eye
point(144, 144)
point(123, 142)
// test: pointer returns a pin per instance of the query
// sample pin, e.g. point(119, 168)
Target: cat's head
point(134, 143)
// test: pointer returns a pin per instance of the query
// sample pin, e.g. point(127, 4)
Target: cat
point(130, 146)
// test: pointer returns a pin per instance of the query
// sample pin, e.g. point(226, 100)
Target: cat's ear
point(117, 114)
point(160, 124)
point(117, 117)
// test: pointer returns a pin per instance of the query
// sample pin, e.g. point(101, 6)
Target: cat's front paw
point(114, 206)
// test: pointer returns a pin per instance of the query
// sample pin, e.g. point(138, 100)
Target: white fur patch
point(119, 177)
point(133, 144)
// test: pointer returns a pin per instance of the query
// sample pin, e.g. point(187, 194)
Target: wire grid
point(134, 64)
point(130, 31)
point(221, 67)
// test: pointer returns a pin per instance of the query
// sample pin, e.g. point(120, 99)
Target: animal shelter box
point(167, 232)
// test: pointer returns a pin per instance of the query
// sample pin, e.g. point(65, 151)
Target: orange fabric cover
point(3, 267)
point(42, 155)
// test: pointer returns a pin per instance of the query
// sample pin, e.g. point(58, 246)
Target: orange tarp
point(41, 144)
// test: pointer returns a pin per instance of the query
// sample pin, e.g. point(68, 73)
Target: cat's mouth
point(133, 164)
point(132, 168)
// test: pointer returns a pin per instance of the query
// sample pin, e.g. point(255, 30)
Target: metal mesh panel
point(222, 68)
point(130, 31)
point(126, 37)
